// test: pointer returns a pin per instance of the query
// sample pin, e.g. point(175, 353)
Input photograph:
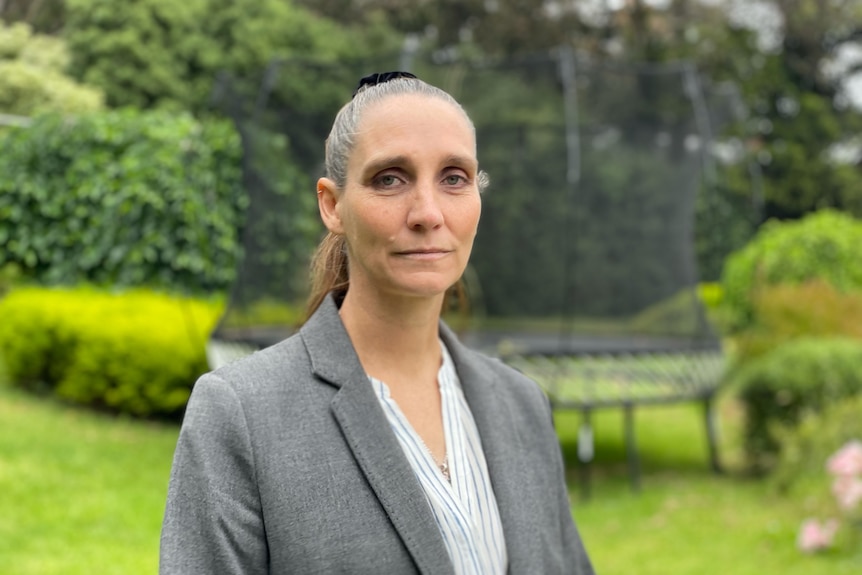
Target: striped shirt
point(464, 507)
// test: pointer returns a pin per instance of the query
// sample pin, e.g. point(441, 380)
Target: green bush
point(825, 245)
point(795, 378)
point(136, 352)
point(122, 198)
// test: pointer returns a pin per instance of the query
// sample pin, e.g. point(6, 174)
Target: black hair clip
point(380, 78)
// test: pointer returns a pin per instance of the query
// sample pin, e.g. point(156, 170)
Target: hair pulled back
point(329, 265)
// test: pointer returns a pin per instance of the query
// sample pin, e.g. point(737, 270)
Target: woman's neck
point(393, 337)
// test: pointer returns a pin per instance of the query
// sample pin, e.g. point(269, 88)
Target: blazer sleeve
point(213, 521)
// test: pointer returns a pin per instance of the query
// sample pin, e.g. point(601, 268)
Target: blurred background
point(670, 245)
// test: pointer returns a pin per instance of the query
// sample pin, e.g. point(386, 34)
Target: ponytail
point(328, 271)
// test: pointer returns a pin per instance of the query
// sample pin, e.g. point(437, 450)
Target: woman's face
point(410, 205)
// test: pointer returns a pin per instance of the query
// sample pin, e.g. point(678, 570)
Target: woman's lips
point(428, 254)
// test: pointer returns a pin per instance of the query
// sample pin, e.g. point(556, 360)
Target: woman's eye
point(387, 180)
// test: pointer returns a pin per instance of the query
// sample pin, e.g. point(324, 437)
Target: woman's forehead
point(412, 108)
point(413, 119)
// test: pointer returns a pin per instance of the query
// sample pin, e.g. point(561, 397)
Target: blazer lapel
point(502, 447)
point(374, 445)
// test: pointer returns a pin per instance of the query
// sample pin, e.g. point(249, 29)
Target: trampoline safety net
point(583, 273)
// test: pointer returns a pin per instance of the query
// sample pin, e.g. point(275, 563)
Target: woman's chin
point(425, 289)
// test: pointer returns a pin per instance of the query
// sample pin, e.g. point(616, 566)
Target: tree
point(495, 27)
point(779, 53)
point(803, 112)
point(167, 53)
point(44, 16)
point(32, 78)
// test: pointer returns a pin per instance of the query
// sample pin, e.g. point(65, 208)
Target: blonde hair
point(329, 264)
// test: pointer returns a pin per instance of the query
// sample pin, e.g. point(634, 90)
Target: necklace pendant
point(444, 469)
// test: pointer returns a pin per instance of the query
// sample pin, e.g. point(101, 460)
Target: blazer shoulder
point(276, 364)
point(510, 381)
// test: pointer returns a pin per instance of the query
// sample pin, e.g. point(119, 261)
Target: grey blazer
point(286, 464)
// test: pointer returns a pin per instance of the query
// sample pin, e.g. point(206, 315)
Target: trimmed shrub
point(801, 376)
point(123, 199)
point(136, 352)
point(825, 245)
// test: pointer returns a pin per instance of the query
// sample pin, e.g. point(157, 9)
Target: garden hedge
point(122, 198)
point(796, 378)
point(137, 352)
point(825, 245)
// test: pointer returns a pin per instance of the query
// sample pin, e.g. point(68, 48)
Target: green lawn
point(687, 520)
point(79, 492)
point(84, 493)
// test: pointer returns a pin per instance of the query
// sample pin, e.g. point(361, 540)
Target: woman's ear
point(327, 203)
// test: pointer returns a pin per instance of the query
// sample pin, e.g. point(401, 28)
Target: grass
point(685, 519)
point(79, 492)
point(82, 492)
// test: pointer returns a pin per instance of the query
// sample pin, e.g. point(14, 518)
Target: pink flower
point(846, 461)
point(814, 536)
point(847, 491)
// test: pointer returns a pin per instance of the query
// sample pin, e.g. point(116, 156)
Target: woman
point(373, 441)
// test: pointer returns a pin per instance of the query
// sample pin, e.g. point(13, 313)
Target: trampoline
point(583, 275)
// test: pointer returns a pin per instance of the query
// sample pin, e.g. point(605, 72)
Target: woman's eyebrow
point(383, 163)
point(461, 162)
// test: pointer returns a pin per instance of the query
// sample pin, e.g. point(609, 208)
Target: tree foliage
point(32, 75)
point(496, 27)
point(167, 53)
point(800, 113)
point(779, 56)
point(44, 16)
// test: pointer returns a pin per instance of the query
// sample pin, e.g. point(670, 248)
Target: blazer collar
point(376, 449)
point(367, 432)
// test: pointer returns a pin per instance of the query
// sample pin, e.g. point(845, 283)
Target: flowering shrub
point(845, 466)
point(815, 536)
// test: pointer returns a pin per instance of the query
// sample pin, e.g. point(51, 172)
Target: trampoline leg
point(631, 447)
point(585, 453)
point(711, 434)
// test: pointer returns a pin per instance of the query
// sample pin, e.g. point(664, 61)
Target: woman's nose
point(425, 209)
